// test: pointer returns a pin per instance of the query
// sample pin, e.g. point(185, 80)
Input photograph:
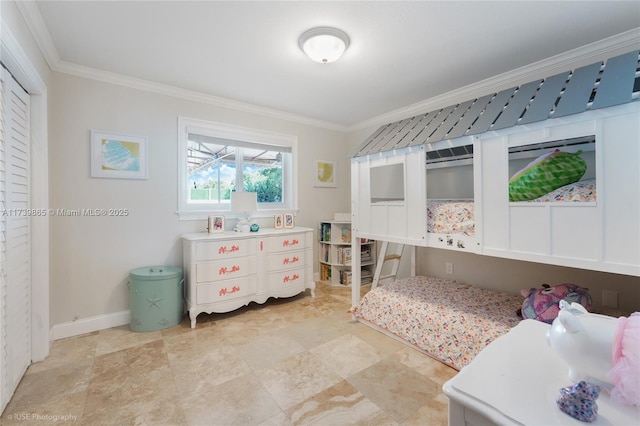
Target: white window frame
point(188, 125)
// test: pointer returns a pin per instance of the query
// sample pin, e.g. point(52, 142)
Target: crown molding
point(585, 55)
point(190, 95)
point(36, 25)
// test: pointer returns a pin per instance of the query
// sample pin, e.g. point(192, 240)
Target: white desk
point(516, 380)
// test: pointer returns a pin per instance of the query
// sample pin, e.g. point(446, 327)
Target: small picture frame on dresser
point(278, 221)
point(288, 220)
point(215, 224)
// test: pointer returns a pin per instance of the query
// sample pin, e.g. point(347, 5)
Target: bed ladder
point(395, 256)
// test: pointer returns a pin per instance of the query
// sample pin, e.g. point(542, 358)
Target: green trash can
point(155, 294)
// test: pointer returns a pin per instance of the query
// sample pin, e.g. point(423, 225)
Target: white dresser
point(228, 270)
point(516, 379)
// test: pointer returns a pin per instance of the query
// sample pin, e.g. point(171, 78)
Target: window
point(216, 159)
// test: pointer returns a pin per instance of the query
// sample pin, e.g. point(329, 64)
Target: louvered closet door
point(15, 265)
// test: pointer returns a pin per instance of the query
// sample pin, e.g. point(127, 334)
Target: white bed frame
point(603, 235)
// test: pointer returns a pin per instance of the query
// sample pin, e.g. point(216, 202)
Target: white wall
point(92, 256)
point(512, 275)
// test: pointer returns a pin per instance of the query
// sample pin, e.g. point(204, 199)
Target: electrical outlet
point(448, 268)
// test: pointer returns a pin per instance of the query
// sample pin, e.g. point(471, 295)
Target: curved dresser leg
point(193, 315)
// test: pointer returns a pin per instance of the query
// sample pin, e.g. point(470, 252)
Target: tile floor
point(288, 362)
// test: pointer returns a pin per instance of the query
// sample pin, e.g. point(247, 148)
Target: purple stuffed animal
point(542, 304)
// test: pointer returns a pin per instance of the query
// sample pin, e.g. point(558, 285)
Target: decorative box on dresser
point(225, 271)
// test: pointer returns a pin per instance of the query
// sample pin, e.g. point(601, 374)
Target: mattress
point(448, 320)
point(450, 217)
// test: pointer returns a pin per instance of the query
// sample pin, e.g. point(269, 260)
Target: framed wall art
point(278, 221)
point(116, 155)
point(215, 224)
point(326, 174)
point(288, 220)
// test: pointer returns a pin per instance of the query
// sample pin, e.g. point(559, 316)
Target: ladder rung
point(392, 257)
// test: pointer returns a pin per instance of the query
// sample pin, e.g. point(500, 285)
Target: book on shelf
point(346, 235)
point(326, 253)
point(325, 232)
point(345, 277)
point(366, 276)
point(325, 272)
point(344, 255)
point(365, 254)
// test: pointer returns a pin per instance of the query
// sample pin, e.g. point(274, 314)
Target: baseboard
point(88, 325)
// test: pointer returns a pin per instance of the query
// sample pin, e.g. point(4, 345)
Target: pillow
point(546, 173)
point(542, 304)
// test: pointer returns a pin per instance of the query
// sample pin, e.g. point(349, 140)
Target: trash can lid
point(152, 273)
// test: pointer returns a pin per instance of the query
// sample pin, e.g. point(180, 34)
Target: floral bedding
point(450, 217)
point(448, 320)
point(584, 190)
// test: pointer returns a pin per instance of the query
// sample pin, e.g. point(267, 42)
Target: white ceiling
point(401, 53)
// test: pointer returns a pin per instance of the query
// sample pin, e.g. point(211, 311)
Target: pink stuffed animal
point(542, 304)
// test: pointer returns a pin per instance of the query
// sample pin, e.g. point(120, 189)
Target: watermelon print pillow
point(545, 174)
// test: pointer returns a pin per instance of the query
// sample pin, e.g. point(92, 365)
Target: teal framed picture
point(116, 155)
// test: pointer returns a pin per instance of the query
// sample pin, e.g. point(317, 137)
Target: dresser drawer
point(283, 279)
point(206, 250)
point(225, 269)
point(286, 242)
point(225, 290)
point(288, 260)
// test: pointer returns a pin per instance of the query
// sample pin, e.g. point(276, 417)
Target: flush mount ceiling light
point(324, 44)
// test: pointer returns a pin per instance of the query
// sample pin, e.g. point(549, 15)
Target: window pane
point(262, 173)
point(211, 172)
point(215, 159)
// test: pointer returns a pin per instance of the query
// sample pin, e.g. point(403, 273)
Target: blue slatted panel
point(616, 83)
point(542, 105)
point(576, 96)
point(366, 148)
point(570, 93)
point(405, 131)
point(376, 144)
point(470, 116)
point(384, 142)
point(451, 120)
point(426, 119)
point(491, 112)
point(363, 148)
point(512, 113)
point(431, 127)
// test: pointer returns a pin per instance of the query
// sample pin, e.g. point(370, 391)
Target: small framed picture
point(288, 220)
point(115, 155)
point(216, 224)
point(326, 174)
point(278, 221)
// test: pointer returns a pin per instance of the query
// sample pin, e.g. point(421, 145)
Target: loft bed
point(411, 177)
point(473, 150)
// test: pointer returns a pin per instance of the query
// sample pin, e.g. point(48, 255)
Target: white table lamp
point(246, 203)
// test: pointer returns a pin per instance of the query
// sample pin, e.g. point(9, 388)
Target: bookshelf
point(334, 252)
